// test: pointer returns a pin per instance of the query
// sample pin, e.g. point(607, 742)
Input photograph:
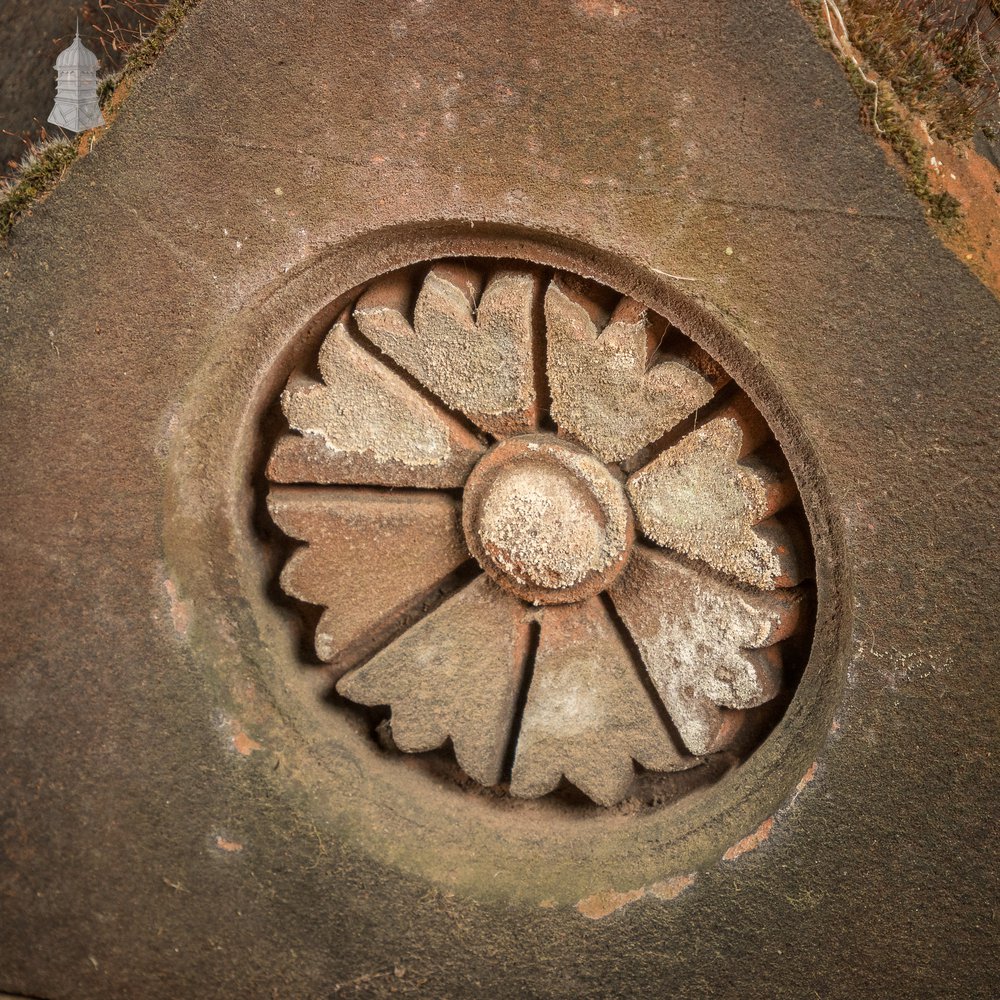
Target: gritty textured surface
point(350, 540)
point(548, 522)
point(603, 392)
point(698, 622)
point(425, 677)
point(468, 343)
point(588, 715)
point(362, 411)
point(546, 519)
point(699, 498)
point(662, 135)
point(537, 527)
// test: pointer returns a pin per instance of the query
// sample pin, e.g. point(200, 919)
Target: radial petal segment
point(708, 644)
point(702, 498)
point(352, 536)
point(602, 393)
point(588, 714)
point(457, 674)
point(470, 341)
point(363, 424)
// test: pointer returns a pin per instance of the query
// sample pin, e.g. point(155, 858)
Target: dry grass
point(940, 57)
point(926, 76)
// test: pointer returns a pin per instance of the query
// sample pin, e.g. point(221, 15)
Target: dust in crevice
point(420, 607)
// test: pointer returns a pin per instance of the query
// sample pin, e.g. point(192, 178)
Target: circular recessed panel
point(538, 537)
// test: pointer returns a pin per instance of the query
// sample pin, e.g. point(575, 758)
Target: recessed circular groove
point(552, 542)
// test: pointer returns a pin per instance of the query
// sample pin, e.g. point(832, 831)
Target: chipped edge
point(608, 901)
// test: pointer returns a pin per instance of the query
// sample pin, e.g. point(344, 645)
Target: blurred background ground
point(32, 33)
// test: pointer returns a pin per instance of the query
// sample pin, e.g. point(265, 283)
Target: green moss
point(143, 54)
point(38, 173)
point(106, 87)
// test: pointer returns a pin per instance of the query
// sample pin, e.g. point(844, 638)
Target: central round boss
point(547, 520)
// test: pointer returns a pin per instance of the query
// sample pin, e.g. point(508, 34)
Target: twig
point(989, 69)
point(827, 6)
point(676, 277)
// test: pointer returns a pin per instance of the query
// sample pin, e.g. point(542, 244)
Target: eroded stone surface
point(364, 424)
point(470, 342)
point(538, 526)
point(546, 519)
point(588, 714)
point(602, 392)
point(454, 674)
point(700, 498)
point(708, 645)
point(352, 536)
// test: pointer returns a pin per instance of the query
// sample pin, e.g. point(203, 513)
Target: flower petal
point(454, 674)
point(470, 342)
point(588, 714)
point(704, 641)
point(352, 536)
point(364, 424)
point(704, 498)
point(602, 393)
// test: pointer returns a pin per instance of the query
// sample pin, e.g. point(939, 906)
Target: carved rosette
point(543, 528)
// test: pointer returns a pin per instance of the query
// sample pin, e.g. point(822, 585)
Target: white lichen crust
point(700, 498)
point(708, 644)
point(603, 392)
point(469, 340)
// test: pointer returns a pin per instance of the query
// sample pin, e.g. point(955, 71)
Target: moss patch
point(941, 57)
point(144, 52)
point(38, 173)
point(884, 114)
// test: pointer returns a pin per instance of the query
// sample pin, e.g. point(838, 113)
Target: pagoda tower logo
point(76, 108)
